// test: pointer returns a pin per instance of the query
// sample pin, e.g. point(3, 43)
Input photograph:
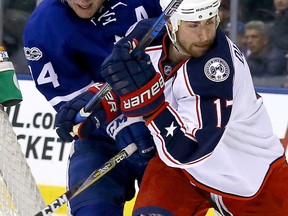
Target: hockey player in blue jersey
point(215, 142)
point(65, 43)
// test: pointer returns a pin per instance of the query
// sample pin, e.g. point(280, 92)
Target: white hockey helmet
point(192, 10)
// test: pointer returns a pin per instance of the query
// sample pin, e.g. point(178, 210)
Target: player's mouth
point(85, 6)
point(202, 46)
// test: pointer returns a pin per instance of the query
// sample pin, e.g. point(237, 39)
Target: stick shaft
point(95, 176)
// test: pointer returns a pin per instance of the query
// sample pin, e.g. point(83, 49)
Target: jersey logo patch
point(167, 70)
point(32, 54)
point(217, 70)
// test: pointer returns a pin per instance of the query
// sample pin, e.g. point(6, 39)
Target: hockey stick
point(95, 176)
point(143, 43)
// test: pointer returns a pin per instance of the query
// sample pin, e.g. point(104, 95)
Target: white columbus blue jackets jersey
point(65, 52)
point(215, 127)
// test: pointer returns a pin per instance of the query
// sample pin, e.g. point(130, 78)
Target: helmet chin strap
point(173, 38)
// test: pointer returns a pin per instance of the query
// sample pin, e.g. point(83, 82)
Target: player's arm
point(140, 89)
point(55, 74)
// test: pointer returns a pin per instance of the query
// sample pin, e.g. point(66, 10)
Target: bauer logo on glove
point(145, 97)
point(134, 79)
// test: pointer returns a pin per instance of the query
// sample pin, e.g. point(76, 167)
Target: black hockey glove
point(104, 112)
point(134, 79)
point(133, 130)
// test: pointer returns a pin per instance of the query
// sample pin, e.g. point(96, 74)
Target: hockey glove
point(134, 79)
point(106, 111)
point(133, 130)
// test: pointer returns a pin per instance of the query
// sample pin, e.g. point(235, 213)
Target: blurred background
point(259, 28)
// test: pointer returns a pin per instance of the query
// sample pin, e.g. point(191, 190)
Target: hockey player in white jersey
point(214, 138)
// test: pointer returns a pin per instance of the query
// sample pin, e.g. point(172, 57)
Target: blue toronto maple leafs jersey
point(65, 52)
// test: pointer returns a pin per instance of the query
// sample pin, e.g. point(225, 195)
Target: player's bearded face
point(85, 8)
point(196, 38)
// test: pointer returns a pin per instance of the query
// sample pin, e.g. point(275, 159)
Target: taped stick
point(95, 176)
